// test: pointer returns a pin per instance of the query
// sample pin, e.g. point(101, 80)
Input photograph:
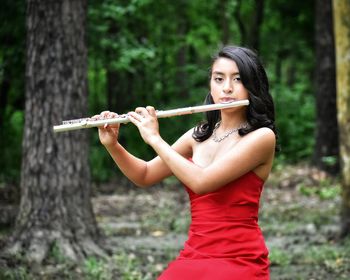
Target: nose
point(228, 87)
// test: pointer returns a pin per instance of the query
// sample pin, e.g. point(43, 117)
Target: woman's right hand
point(108, 133)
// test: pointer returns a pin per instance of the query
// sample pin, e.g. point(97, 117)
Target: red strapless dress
point(225, 241)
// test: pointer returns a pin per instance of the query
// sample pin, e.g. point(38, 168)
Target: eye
point(237, 79)
point(218, 79)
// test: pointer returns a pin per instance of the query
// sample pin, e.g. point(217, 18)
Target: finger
point(104, 115)
point(151, 111)
point(142, 111)
point(139, 109)
point(135, 116)
point(102, 127)
point(108, 127)
point(95, 117)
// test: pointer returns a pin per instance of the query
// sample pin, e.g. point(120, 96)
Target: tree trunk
point(258, 16)
point(55, 208)
point(327, 144)
point(341, 17)
point(181, 57)
point(250, 28)
point(224, 21)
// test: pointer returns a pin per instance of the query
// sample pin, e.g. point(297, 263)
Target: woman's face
point(225, 82)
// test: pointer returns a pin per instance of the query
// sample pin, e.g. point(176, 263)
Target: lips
point(226, 100)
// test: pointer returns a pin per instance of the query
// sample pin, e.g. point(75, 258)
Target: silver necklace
point(227, 134)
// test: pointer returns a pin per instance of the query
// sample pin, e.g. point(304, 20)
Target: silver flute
point(88, 122)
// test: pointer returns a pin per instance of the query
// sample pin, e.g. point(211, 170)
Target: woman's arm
point(254, 150)
point(146, 173)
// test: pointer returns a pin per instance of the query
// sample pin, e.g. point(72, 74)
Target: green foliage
point(56, 254)
point(323, 254)
point(149, 45)
point(330, 160)
point(280, 257)
point(11, 141)
point(128, 264)
point(12, 70)
point(97, 83)
point(96, 269)
point(327, 188)
point(147, 52)
point(20, 273)
point(323, 192)
point(295, 137)
point(101, 163)
point(163, 219)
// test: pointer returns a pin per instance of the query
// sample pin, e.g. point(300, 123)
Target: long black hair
point(260, 111)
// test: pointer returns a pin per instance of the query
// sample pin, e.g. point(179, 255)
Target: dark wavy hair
point(260, 111)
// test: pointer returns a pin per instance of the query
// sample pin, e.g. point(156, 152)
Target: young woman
point(223, 164)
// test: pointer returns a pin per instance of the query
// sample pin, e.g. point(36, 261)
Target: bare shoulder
point(261, 137)
point(264, 132)
point(187, 136)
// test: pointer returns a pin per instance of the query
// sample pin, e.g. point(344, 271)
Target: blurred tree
point(249, 16)
point(55, 208)
point(287, 48)
point(341, 14)
point(326, 150)
point(158, 52)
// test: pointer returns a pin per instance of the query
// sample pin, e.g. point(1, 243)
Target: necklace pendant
point(227, 134)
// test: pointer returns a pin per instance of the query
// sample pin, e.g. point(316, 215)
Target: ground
point(145, 229)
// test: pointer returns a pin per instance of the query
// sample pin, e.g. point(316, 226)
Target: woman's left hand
point(147, 123)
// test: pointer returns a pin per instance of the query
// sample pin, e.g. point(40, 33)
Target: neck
point(230, 121)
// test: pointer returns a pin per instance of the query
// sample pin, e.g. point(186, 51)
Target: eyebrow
point(221, 73)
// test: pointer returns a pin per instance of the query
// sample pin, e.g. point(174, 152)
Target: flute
point(88, 123)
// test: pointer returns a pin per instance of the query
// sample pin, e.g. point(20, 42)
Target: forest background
point(147, 52)
point(158, 53)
